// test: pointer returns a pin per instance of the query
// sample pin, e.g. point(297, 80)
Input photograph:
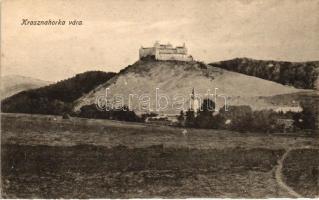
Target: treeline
point(298, 74)
point(57, 98)
point(244, 119)
point(120, 114)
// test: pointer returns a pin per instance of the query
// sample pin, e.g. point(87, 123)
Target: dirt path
point(279, 178)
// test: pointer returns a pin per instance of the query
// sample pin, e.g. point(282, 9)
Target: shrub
point(306, 119)
point(238, 117)
point(204, 118)
point(121, 114)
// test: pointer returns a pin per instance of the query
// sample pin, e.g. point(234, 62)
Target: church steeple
point(193, 93)
point(193, 100)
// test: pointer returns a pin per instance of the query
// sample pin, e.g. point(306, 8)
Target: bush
point(244, 119)
point(236, 118)
point(190, 118)
point(146, 115)
point(306, 119)
point(204, 118)
point(121, 114)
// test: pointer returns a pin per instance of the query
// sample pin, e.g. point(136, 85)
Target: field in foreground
point(45, 156)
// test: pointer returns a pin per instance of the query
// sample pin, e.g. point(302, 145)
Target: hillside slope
point(13, 84)
point(55, 98)
point(298, 74)
point(173, 79)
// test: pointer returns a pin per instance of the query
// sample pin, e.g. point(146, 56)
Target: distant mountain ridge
point(13, 84)
point(55, 98)
point(298, 74)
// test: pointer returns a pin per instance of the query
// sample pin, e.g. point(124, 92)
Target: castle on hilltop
point(165, 52)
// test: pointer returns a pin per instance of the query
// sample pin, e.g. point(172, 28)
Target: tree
point(306, 119)
point(181, 119)
point(240, 117)
point(190, 118)
point(205, 117)
point(207, 106)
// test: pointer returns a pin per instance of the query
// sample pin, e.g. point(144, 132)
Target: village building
point(285, 125)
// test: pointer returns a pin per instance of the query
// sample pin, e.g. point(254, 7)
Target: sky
point(114, 30)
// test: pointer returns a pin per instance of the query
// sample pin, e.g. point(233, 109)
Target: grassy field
point(46, 156)
point(302, 171)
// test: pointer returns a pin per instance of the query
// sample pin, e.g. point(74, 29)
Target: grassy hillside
point(298, 74)
point(55, 98)
point(173, 78)
point(13, 84)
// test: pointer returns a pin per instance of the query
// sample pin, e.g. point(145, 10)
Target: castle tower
point(156, 44)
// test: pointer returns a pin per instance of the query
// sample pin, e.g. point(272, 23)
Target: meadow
point(46, 156)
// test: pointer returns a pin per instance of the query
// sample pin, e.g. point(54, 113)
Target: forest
point(302, 75)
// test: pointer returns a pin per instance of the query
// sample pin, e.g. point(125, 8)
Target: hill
point(298, 74)
point(13, 84)
point(138, 82)
point(55, 98)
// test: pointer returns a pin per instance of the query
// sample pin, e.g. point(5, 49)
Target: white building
point(165, 52)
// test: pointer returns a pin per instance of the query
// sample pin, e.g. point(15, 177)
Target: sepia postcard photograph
point(165, 99)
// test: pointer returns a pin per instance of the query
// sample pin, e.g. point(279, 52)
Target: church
point(165, 52)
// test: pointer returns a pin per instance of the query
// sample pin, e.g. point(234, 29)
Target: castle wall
point(165, 52)
point(181, 50)
point(180, 57)
point(146, 52)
